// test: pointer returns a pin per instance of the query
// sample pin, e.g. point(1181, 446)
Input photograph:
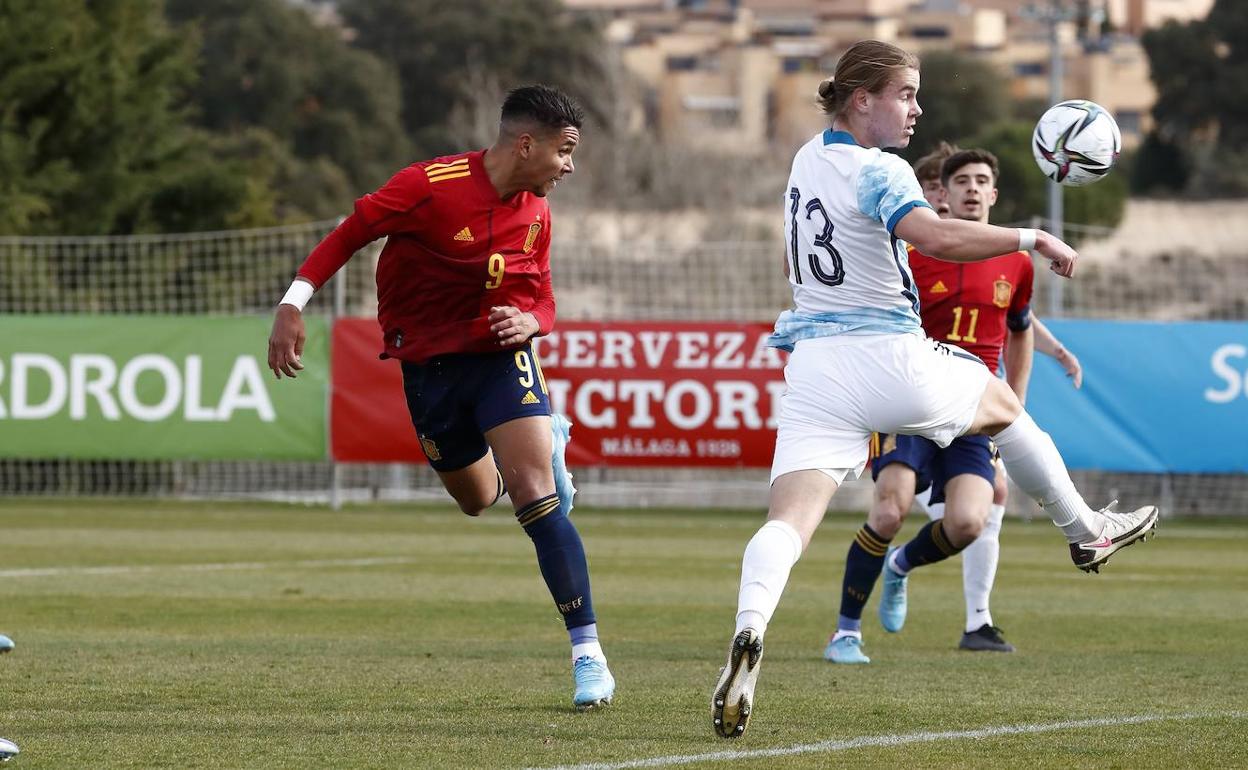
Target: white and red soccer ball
point(1076, 142)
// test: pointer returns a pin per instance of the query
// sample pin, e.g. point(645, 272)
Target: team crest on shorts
point(531, 239)
point(431, 449)
point(1001, 290)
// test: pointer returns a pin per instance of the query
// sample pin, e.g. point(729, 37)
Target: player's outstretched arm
point(1052, 347)
point(288, 335)
point(958, 240)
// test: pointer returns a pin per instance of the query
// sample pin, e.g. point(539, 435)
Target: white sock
point(1036, 467)
point(765, 568)
point(924, 499)
point(592, 649)
point(979, 569)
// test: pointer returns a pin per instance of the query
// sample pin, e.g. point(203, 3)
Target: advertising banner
point(157, 387)
point(369, 421)
point(638, 394)
point(666, 394)
point(1156, 397)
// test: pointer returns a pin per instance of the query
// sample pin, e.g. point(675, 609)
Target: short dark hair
point(548, 107)
point(962, 158)
point(927, 167)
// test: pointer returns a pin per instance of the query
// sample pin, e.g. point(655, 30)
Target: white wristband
point(298, 294)
point(1026, 239)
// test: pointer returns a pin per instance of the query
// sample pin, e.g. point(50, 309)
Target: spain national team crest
point(1001, 291)
point(531, 239)
point(431, 449)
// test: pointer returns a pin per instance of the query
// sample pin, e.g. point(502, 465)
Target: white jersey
point(849, 273)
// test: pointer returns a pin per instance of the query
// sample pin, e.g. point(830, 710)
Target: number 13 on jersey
point(833, 277)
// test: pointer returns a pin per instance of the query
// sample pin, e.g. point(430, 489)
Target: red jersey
point(970, 304)
point(455, 250)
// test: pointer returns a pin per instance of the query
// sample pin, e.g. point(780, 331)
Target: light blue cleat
point(561, 430)
point(893, 597)
point(846, 649)
point(594, 684)
point(6, 644)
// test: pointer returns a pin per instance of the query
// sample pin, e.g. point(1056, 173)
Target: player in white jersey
point(860, 362)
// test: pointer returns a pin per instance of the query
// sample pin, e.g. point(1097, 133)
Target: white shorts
point(843, 388)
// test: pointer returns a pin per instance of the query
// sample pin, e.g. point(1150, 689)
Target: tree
point(503, 45)
point(959, 95)
point(1200, 70)
point(266, 65)
point(92, 121)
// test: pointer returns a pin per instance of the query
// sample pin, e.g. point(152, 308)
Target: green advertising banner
point(157, 387)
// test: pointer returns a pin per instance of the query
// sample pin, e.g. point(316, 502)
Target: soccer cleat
point(594, 684)
point(1121, 530)
point(893, 597)
point(8, 750)
point(845, 649)
point(561, 429)
point(734, 694)
point(986, 638)
point(6, 644)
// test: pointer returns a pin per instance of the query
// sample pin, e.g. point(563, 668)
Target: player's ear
point(524, 145)
point(992, 199)
point(861, 99)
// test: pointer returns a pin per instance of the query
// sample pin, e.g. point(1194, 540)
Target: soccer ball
point(1076, 142)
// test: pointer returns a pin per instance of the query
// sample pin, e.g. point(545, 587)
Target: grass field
point(155, 634)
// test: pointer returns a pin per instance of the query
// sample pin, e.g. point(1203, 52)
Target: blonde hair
point(928, 167)
point(868, 64)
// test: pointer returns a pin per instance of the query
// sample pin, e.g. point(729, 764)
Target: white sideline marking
point(871, 741)
point(219, 567)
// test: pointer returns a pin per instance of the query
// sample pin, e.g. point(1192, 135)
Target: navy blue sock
point(928, 546)
point(561, 558)
point(862, 568)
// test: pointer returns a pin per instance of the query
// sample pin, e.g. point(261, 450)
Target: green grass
point(453, 656)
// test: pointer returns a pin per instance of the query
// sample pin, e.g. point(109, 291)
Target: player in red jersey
point(976, 307)
point(463, 285)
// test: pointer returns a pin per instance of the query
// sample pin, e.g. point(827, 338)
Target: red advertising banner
point(638, 394)
point(368, 418)
point(665, 394)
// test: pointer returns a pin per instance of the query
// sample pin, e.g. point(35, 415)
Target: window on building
point(1030, 68)
point(1128, 121)
point(930, 33)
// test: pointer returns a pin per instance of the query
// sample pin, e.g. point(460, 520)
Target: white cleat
point(8, 750)
point(1121, 530)
point(734, 694)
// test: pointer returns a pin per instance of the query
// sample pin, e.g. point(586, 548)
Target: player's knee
point(998, 408)
point(962, 530)
point(886, 516)
point(473, 505)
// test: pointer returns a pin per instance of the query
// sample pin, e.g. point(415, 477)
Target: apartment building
point(745, 72)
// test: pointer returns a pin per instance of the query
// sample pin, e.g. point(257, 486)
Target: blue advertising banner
point(1156, 397)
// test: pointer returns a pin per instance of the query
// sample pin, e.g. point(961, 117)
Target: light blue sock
point(899, 564)
point(583, 634)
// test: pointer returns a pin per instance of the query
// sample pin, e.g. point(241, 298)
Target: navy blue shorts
point(455, 399)
point(935, 466)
